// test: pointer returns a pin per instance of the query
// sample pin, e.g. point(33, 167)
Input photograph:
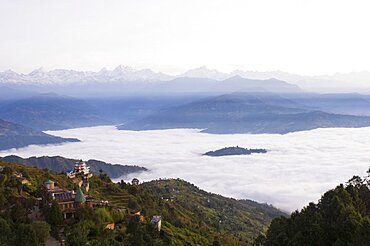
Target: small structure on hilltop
point(80, 168)
point(135, 181)
point(18, 176)
point(67, 200)
point(157, 222)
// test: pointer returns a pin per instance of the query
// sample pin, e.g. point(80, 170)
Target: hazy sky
point(299, 36)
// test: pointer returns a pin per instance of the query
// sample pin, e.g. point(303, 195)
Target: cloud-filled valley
point(297, 168)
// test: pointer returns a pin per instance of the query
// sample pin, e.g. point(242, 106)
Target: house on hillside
point(157, 222)
point(24, 181)
point(68, 200)
point(110, 226)
point(18, 176)
point(135, 212)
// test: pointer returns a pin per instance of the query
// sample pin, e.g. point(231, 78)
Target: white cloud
point(298, 168)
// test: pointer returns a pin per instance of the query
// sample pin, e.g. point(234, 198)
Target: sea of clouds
point(297, 169)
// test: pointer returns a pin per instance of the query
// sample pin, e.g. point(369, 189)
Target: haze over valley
point(311, 161)
point(163, 111)
point(175, 122)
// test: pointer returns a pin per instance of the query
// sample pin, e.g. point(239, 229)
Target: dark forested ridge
point(61, 164)
point(341, 217)
point(16, 136)
point(189, 216)
point(235, 151)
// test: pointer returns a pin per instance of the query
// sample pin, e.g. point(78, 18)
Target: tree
point(54, 215)
point(25, 235)
point(132, 189)
point(18, 213)
point(216, 242)
point(260, 240)
point(84, 213)
point(277, 233)
point(3, 179)
point(133, 204)
point(42, 230)
point(341, 217)
point(78, 234)
point(5, 232)
point(102, 215)
point(118, 216)
point(136, 232)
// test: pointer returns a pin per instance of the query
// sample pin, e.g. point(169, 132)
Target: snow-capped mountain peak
point(120, 73)
point(205, 72)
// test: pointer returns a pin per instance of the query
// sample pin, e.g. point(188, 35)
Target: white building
point(157, 222)
point(79, 168)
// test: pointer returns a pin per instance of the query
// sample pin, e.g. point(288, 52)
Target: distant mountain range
point(205, 86)
point(336, 82)
point(245, 113)
point(143, 100)
point(17, 136)
point(122, 82)
point(120, 73)
point(61, 164)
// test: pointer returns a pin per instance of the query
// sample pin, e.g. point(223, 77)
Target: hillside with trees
point(341, 217)
point(61, 164)
point(189, 216)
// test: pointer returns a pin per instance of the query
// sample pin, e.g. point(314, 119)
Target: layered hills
point(245, 113)
point(16, 136)
point(51, 112)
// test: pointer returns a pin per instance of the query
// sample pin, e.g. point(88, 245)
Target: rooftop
point(80, 197)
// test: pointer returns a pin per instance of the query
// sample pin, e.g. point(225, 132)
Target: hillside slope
point(17, 136)
point(60, 164)
point(190, 216)
point(184, 205)
point(341, 217)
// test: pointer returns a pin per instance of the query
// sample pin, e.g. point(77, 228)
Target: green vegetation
point(210, 216)
point(341, 217)
point(61, 164)
point(189, 215)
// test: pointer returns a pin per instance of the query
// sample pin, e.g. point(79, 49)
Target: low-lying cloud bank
point(298, 168)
